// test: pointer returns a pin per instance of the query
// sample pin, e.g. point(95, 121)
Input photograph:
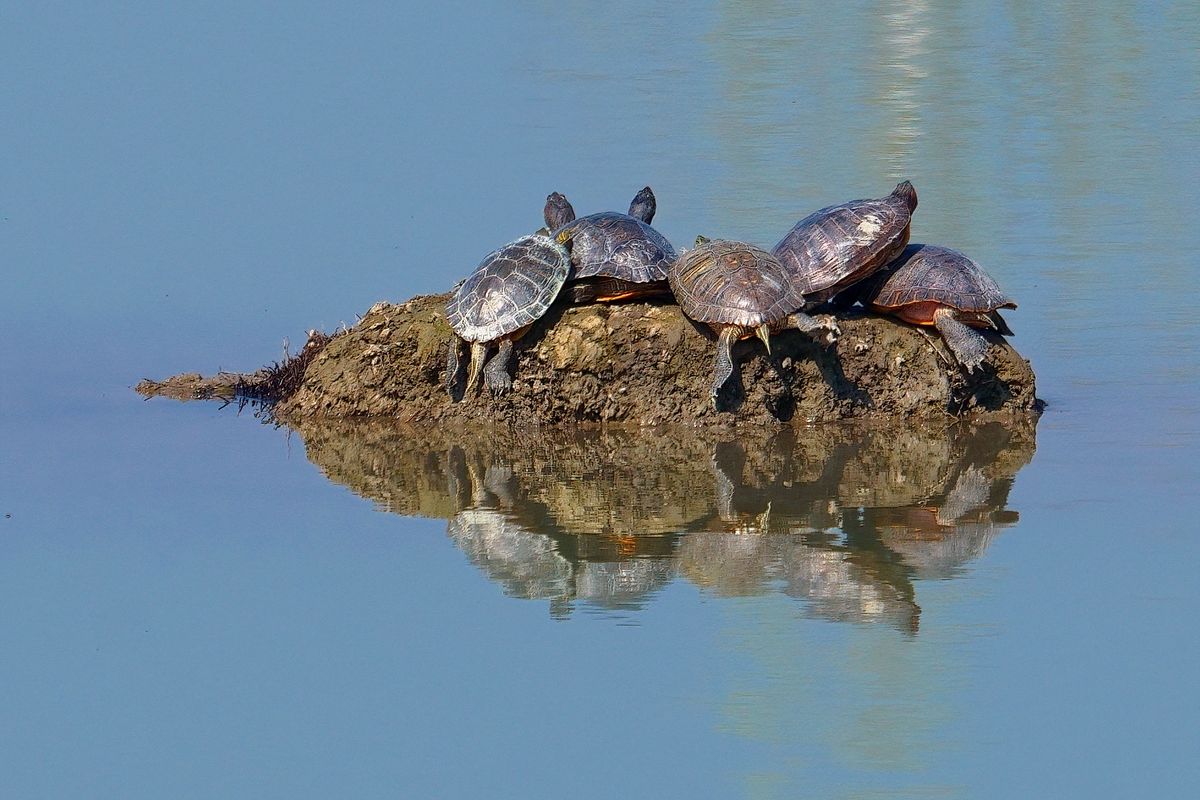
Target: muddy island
point(639, 364)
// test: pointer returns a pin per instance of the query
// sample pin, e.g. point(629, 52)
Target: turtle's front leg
point(814, 325)
point(452, 364)
point(496, 372)
point(723, 366)
point(967, 344)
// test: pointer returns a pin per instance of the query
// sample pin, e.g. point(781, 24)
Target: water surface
point(197, 605)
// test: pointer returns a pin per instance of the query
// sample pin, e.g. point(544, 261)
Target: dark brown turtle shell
point(615, 245)
point(511, 288)
point(733, 283)
point(838, 246)
point(926, 273)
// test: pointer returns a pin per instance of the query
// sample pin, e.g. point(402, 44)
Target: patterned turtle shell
point(926, 273)
point(511, 288)
point(733, 283)
point(615, 245)
point(837, 246)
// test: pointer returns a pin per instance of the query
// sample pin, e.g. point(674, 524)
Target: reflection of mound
point(842, 518)
point(620, 483)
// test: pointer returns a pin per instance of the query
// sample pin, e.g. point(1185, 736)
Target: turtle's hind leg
point(813, 325)
point(496, 372)
point(723, 366)
point(968, 345)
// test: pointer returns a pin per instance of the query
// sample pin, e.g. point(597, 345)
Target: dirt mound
point(648, 364)
point(636, 363)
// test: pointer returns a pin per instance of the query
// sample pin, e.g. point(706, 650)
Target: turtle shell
point(511, 288)
point(840, 245)
point(926, 273)
point(619, 246)
point(733, 283)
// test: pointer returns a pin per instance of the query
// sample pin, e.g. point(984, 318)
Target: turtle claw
point(823, 328)
point(830, 326)
point(499, 384)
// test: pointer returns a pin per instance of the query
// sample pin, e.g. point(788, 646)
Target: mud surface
point(647, 364)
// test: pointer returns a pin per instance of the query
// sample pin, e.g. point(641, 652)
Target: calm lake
point(195, 604)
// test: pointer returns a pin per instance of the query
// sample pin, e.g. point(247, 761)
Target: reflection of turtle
point(849, 587)
point(613, 256)
point(845, 519)
point(930, 285)
point(509, 290)
point(740, 290)
point(524, 562)
point(837, 246)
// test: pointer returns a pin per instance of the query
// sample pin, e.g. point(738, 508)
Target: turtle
point(739, 290)
point(838, 246)
point(932, 285)
point(510, 289)
point(613, 256)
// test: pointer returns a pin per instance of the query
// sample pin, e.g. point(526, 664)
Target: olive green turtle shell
point(837, 246)
point(511, 288)
point(733, 283)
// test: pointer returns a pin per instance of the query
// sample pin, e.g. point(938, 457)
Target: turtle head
point(644, 205)
point(905, 190)
point(701, 240)
point(558, 212)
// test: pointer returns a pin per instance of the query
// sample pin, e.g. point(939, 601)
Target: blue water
point(189, 607)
